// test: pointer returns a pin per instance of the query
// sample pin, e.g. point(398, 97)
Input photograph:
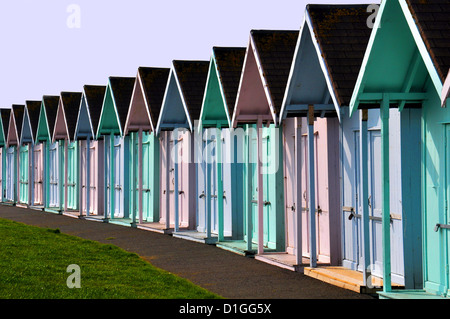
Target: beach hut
point(323, 72)
point(409, 80)
point(46, 164)
point(91, 190)
point(142, 116)
point(26, 153)
point(219, 178)
point(116, 148)
point(263, 81)
point(12, 156)
point(180, 108)
point(4, 122)
point(64, 133)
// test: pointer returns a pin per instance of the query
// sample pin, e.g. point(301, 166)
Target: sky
point(50, 46)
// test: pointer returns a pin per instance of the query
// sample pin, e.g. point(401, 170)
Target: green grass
point(34, 261)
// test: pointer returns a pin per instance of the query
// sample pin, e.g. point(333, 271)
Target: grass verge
point(34, 262)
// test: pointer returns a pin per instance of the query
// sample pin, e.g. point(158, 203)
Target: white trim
point(288, 91)
point(421, 47)
point(238, 93)
point(183, 101)
point(322, 65)
point(359, 85)
point(263, 79)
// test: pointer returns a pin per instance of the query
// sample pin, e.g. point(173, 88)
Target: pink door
point(38, 174)
point(321, 191)
point(289, 170)
point(167, 178)
point(96, 168)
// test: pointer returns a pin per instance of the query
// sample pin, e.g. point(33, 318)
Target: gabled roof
point(417, 34)
point(66, 118)
point(433, 21)
point(15, 124)
point(5, 114)
point(264, 76)
point(94, 96)
point(31, 121)
point(222, 85)
point(89, 111)
point(47, 118)
point(115, 105)
point(146, 102)
point(184, 94)
point(328, 57)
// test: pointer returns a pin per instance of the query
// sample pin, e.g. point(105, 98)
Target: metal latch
point(436, 228)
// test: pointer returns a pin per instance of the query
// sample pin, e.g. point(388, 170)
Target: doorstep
point(346, 278)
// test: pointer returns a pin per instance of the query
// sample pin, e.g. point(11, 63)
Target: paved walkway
point(220, 271)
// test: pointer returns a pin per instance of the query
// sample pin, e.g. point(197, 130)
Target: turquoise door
point(447, 210)
point(72, 176)
point(10, 173)
point(116, 180)
point(147, 191)
point(23, 174)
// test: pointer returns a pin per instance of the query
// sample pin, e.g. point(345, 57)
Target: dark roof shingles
point(154, 82)
point(94, 95)
point(229, 63)
point(276, 51)
point(433, 21)
point(122, 90)
point(342, 34)
point(192, 77)
point(71, 103)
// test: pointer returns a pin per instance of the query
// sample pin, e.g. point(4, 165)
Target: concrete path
point(220, 271)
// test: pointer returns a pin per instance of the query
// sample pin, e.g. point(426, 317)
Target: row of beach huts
point(326, 147)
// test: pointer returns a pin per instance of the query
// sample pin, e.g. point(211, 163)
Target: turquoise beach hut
point(116, 148)
point(145, 106)
point(4, 122)
point(416, 68)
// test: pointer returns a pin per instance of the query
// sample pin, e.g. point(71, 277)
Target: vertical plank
point(133, 179)
point(140, 203)
point(111, 175)
point(364, 171)
point(248, 189)
point(175, 189)
point(66, 172)
point(167, 137)
point(311, 190)
point(88, 174)
point(298, 189)
point(208, 159)
point(386, 220)
point(219, 173)
point(259, 136)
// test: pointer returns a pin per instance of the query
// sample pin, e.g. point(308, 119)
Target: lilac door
point(38, 174)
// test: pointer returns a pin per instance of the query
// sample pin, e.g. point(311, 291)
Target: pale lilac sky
point(41, 55)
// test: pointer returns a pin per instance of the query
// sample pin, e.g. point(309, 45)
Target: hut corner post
point(140, 204)
point(298, 187)
point(175, 189)
point(248, 189)
point(386, 219)
point(208, 190)
point(259, 132)
point(365, 196)
point(167, 137)
point(88, 174)
point(311, 190)
point(220, 196)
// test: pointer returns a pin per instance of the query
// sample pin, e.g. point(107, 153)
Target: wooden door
point(72, 176)
point(118, 177)
point(10, 173)
point(289, 170)
point(53, 175)
point(146, 187)
point(38, 174)
point(23, 174)
point(375, 201)
point(201, 187)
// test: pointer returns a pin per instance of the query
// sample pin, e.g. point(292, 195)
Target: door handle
point(438, 226)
